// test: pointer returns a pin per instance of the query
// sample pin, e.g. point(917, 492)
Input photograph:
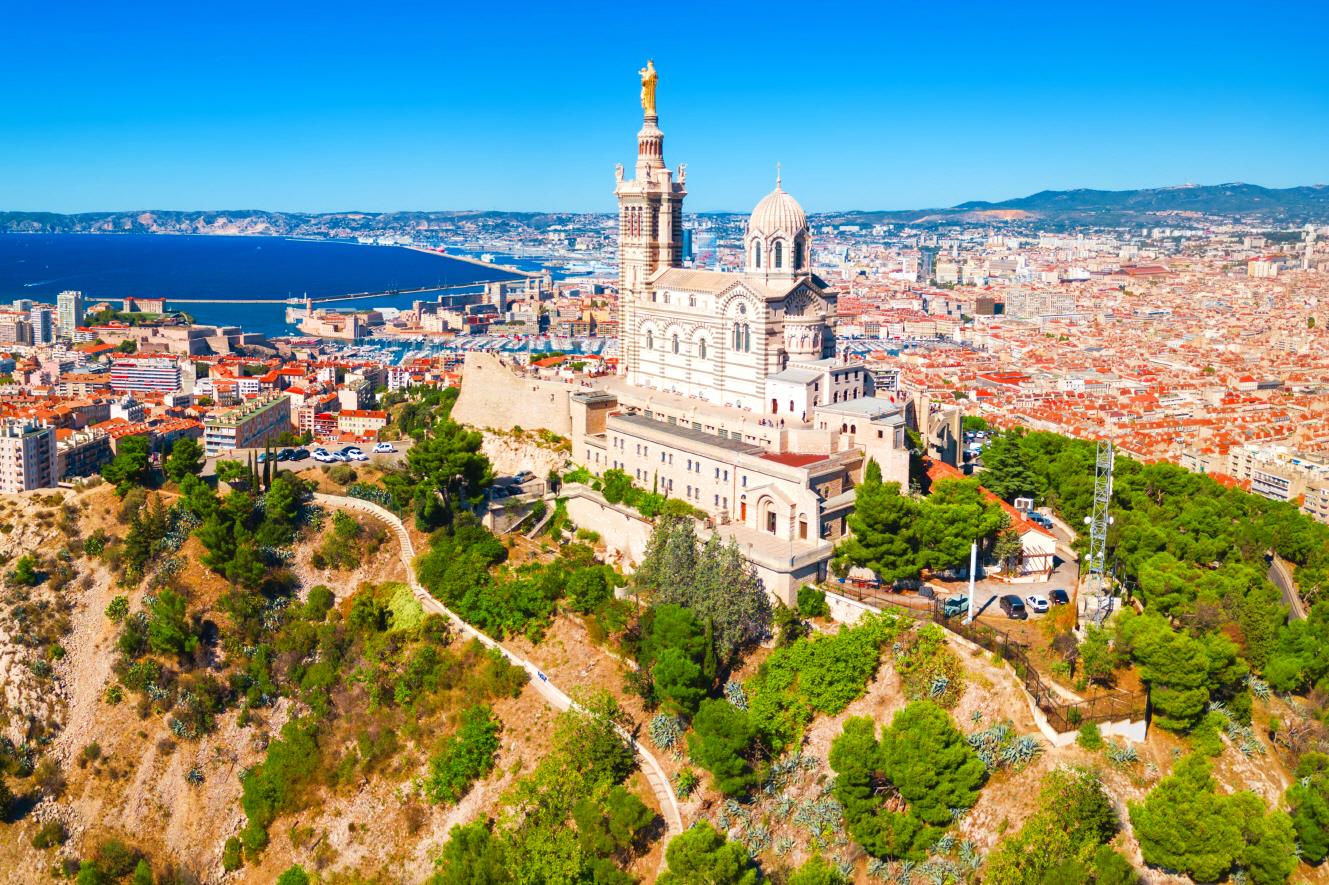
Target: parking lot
point(390, 459)
point(987, 591)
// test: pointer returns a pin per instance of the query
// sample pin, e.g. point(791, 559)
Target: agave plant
point(879, 869)
point(665, 731)
point(1122, 754)
point(969, 855)
point(734, 694)
point(1258, 687)
point(1021, 751)
point(946, 844)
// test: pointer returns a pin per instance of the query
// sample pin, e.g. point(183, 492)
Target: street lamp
point(973, 567)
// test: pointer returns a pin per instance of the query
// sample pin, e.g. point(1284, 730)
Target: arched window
point(798, 254)
point(779, 254)
point(756, 253)
point(747, 337)
point(738, 337)
point(675, 343)
point(701, 349)
point(692, 301)
point(650, 340)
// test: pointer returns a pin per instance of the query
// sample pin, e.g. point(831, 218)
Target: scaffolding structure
point(1097, 592)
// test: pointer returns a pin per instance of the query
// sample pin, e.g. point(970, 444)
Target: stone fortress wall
point(494, 396)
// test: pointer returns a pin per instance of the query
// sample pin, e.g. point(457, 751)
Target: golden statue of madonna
point(648, 80)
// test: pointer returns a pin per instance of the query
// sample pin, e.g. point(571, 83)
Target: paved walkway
point(552, 694)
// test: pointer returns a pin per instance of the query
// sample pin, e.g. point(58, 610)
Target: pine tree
point(882, 530)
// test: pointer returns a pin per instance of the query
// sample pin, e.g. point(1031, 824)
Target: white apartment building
point(27, 456)
point(69, 312)
point(145, 374)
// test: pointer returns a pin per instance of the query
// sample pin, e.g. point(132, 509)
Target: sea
point(227, 268)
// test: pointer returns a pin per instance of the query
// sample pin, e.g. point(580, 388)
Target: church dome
point(777, 241)
point(777, 213)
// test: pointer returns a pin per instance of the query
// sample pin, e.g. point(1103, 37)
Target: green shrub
point(1185, 825)
point(927, 761)
point(722, 742)
point(233, 857)
point(817, 674)
point(1090, 737)
point(50, 834)
point(342, 474)
point(702, 855)
point(1074, 818)
point(273, 786)
point(295, 874)
point(463, 757)
point(812, 602)
point(117, 609)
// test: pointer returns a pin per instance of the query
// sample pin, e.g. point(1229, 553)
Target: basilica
point(730, 394)
point(762, 341)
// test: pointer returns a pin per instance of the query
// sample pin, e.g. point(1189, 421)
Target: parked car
point(524, 475)
point(1059, 597)
point(1038, 604)
point(299, 454)
point(1013, 606)
point(384, 448)
point(351, 453)
point(323, 456)
point(262, 457)
point(285, 454)
point(955, 605)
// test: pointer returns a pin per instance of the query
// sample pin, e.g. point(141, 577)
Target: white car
point(1037, 604)
point(323, 456)
point(357, 455)
point(384, 448)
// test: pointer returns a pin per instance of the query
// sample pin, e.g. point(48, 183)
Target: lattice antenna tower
point(1097, 585)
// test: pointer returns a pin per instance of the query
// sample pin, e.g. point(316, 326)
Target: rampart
point(492, 395)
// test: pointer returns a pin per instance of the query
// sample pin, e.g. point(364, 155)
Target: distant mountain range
point(1143, 206)
point(1081, 207)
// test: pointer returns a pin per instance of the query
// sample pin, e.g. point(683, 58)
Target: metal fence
point(1063, 715)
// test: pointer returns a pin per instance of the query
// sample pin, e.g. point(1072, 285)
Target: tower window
point(779, 255)
point(650, 340)
point(675, 344)
point(701, 349)
point(756, 253)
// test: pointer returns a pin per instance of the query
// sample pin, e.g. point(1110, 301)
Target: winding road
point(552, 694)
point(1281, 576)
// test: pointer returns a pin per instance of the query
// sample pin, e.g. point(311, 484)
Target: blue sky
point(447, 105)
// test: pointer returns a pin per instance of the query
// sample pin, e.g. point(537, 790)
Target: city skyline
point(413, 108)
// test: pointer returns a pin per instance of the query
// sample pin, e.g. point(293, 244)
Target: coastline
point(506, 268)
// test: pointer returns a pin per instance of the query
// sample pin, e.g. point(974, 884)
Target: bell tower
point(650, 223)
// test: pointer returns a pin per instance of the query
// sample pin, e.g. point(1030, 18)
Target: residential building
point(145, 374)
point(69, 312)
point(361, 422)
point(43, 324)
point(81, 452)
point(27, 455)
point(251, 424)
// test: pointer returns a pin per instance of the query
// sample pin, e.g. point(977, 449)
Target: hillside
point(1081, 206)
point(218, 688)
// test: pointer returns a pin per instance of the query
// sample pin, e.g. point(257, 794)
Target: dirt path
point(552, 694)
